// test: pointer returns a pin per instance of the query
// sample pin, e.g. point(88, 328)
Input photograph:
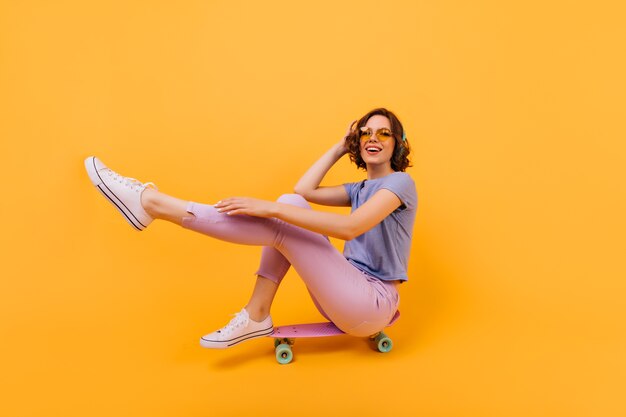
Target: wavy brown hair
point(399, 159)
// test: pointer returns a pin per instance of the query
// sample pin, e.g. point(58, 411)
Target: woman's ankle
point(257, 314)
point(148, 202)
point(163, 206)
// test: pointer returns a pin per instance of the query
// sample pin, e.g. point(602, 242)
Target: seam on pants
point(271, 277)
point(197, 217)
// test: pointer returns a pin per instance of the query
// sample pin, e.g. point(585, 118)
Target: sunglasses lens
point(365, 133)
point(383, 135)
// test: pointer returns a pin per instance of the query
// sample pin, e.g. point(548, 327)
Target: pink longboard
point(284, 335)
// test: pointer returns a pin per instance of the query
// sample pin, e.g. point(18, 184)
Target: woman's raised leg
point(165, 207)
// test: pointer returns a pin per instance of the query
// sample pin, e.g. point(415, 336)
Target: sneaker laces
point(132, 183)
point(241, 320)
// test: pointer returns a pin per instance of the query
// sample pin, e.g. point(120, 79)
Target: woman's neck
point(378, 171)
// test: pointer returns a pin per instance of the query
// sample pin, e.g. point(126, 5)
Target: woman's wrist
point(340, 148)
point(276, 210)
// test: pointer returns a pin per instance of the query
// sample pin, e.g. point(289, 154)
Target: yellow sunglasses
point(383, 134)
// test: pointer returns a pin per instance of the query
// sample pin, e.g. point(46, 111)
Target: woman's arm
point(345, 227)
point(308, 186)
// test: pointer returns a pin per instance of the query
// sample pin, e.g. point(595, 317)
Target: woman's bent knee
point(294, 200)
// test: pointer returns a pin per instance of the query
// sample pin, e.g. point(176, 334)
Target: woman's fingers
point(226, 205)
point(244, 205)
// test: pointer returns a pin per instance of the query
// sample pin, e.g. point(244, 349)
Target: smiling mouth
point(372, 150)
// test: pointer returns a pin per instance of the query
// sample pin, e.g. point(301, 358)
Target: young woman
point(357, 290)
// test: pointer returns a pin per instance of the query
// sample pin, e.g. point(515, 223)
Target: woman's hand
point(246, 205)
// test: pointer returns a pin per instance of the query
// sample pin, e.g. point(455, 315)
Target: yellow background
point(515, 112)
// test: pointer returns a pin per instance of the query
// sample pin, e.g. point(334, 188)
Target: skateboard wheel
point(284, 355)
point(383, 343)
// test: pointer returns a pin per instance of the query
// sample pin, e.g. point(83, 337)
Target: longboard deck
point(314, 329)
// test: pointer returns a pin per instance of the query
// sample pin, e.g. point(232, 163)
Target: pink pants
point(359, 304)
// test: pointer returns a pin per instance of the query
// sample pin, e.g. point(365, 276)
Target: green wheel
point(284, 355)
point(383, 343)
point(277, 342)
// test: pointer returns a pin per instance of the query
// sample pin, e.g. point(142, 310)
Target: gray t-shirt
point(383, 251)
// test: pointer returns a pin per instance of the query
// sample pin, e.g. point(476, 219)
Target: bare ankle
point(148, 202)
point(257, 314)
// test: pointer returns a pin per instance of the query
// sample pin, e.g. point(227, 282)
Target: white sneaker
point(240, 329)
point(123, 192)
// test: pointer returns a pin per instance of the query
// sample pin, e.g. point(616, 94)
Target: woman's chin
point(374, 160)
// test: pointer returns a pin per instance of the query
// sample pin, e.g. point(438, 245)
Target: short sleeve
point(403, 186)
point(351, 188)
